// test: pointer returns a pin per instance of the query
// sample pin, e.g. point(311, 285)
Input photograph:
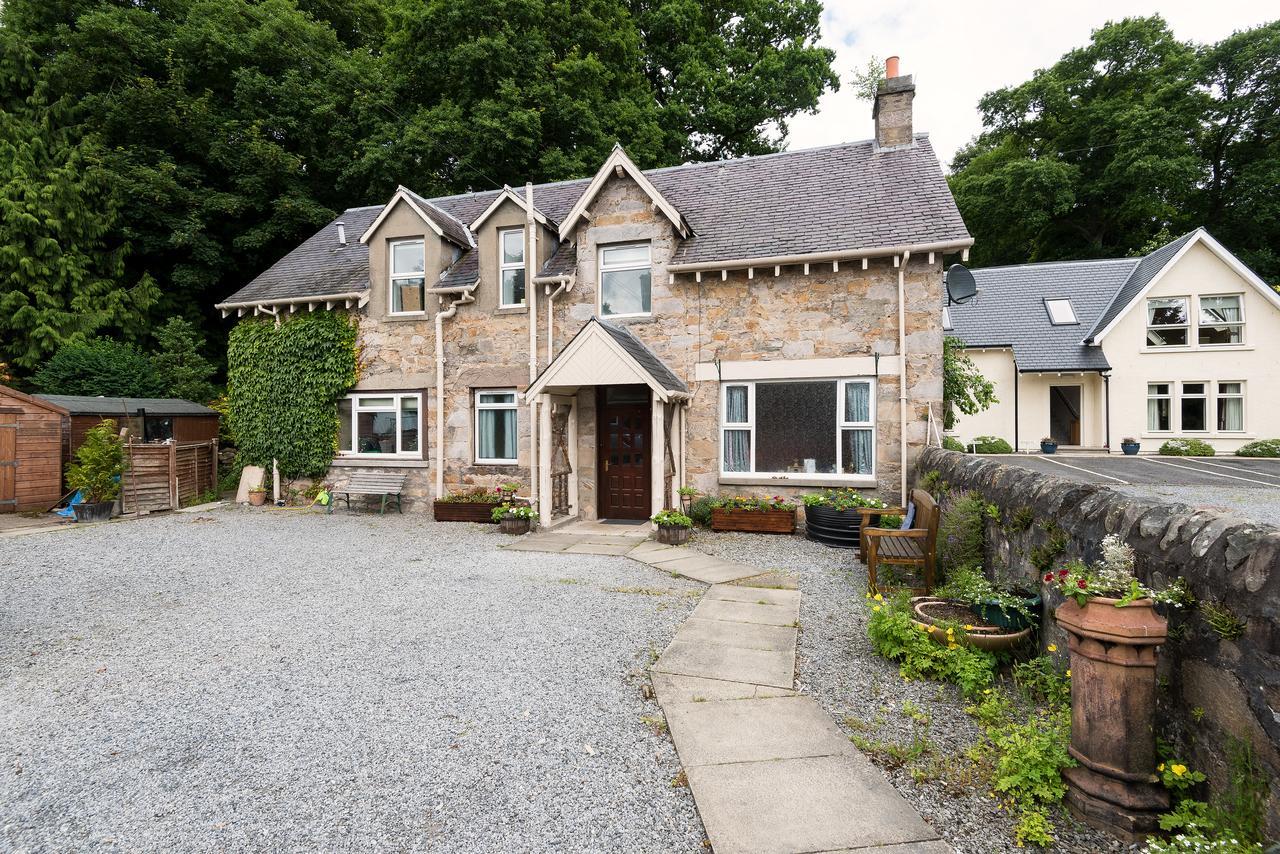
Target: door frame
point(1079, 421)
point(646, 425)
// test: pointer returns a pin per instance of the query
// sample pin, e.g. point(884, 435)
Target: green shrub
point(1260, 448)
point(1029, 758)
point(951, 443)
point(991, 445)
point(962, 532)
point(100, 464)
point(1186, 448)
point(475, 495)
point(99, 366)
point(700, 511)
point(897, 638)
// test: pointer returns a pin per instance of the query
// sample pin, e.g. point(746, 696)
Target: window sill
point(496, 463)
point(835, 480)
point(1198, 434)
point(1203, 348)
point(402, 318)
point(383, 461)
point(511, 309)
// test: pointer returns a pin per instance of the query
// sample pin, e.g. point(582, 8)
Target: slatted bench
point(915, 547)
point(388, 485)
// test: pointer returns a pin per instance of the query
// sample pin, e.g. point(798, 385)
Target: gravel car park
point(275, 680)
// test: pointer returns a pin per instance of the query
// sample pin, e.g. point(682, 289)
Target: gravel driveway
point(273, 680)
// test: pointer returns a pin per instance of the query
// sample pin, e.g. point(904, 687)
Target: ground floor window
point(1231, 407)
point(1194, 408)
point(382, 424)
point(803, 427)
point(496, 427)
point(1201, 407)
point(1159, 407)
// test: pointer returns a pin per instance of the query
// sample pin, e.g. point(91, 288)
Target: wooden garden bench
point(387, 485)
point(915, 547)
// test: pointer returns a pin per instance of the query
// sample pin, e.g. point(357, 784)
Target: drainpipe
point(465, 296)
point(1106, 383)
point(902, 381)
point(1016, 446)
point(564, 283)
point(531, 295)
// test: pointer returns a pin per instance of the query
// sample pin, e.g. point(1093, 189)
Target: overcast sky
point(958, 51)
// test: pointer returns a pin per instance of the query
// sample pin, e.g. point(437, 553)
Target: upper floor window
point(511, 267)
point(625, 280)
point(384, 424)
point(1221, 320)
point(1061, 312)
point(1167, 322)
point(408, 282)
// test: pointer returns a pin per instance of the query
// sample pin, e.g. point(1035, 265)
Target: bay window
point(495, 427)
point(799, 428)
point(1221, 320)
point(625, 280)
point(382, 424)
point(511, 267)
point(1231, 407)
point(1167, 322)
point(1159, 407)
point(408, 280)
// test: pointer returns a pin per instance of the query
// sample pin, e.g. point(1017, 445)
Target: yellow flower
point(1053, 647)
point(876, 608)
point(950, 630)
point(879, 598)
point(968, 628)
point(920, 626)
point(1160, 767)
point(868, 594)
point(1178, 770)
point(986, 691)
point(932, 629)
point(952, 645)
point(1068, 672)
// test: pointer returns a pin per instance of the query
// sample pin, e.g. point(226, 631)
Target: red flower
point(1062, 573)
point(1048, 576)
point(1081, 584)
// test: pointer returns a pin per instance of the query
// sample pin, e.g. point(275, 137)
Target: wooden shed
point(149, 419)
point(31, 441)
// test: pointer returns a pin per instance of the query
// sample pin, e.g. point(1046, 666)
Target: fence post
point(213, 465)
point(173, 475)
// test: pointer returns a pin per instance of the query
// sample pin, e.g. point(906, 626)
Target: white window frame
point(1240, 323)
point(946, 319)
point(603, 268)
point(478, 407)
point(1219, 396)
point(837, 430)
point(1075, 319)
point(395, 407)
point(1188, 326)
point(1210, 415)
point(1169, 396)
point(505, 266)
point(393, 276)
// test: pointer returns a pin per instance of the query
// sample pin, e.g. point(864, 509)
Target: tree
point(99, 366)
point(964, 388)
point(100, 462)
point(180, 368)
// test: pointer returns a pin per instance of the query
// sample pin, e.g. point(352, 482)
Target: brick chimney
point(892, 110)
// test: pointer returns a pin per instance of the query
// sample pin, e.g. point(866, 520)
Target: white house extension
point(1184, 342)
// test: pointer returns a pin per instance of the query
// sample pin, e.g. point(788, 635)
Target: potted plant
point(687, 494)
point(257, 496)
point(1113, 632)
point(473, 505)
point(831, 517)
point(674, 527)
point(514, 518)
point(1129, 446)
point(774, 515)
point(509, 489)
point(1013, 609)
point(100, 464)
point(1048, 445)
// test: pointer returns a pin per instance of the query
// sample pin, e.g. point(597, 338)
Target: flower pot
point(1012, 621)
point(841, 529)
point(754, 521)
point(673, 535)
point(257, 499)
point(99, 511)
point(930, 611)
point(463, 511)
point(514, 525)
point(1113, 701)
point(1130, 448)
point(1048, 447)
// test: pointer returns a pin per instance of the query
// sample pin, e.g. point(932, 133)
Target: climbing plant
point(283, 385)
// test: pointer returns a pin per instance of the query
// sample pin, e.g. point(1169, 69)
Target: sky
point(960, 50)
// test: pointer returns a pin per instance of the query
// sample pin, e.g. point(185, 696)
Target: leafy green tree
point(99, 366)
point(964, 388)
point(100, 462)
point(179, 366)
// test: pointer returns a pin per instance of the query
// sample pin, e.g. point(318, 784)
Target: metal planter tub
point(840, 529)
point(97, 512)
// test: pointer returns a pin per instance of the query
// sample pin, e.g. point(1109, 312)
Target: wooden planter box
point(754, 521)
point(463, 511)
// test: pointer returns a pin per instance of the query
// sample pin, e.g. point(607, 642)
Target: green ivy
point(283, 386)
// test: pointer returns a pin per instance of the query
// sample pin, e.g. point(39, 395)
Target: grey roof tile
point(463, 272)
point(110, 406)
point(1146, 270)
point(562, 262)
point(453, 228)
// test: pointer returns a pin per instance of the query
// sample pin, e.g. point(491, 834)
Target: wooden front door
point(622, 452)
point(1064, 414)
point(8, 462)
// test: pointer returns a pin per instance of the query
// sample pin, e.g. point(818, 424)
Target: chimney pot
point(342, 234)
point(891, 67)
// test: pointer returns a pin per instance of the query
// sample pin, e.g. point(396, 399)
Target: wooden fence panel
point(164, 477)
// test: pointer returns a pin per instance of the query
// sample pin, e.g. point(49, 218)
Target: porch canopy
point(604, 354)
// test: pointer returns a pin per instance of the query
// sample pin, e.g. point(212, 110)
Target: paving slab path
point(770, 771)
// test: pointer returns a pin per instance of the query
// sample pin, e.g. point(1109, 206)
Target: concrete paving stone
point(936, 846)
point(598, 549)
point(672, 689)
point(629, 542)
point(727, 633)
point(747, 612)
point(732, 663)
point(535, 545)
point(645, 546)
point(758, 595)
point(715, 574)
point(771, 580)
point(789, 806)
point(673, 553)
point(733, 731)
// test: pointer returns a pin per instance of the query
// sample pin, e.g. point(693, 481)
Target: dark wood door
point(8, 462)
point(623, 453)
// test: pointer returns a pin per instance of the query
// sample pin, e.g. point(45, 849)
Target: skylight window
point(1060, 311)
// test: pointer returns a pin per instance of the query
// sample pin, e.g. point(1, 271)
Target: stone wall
point(1213, 689)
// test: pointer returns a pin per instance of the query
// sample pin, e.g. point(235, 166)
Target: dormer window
point(408, 282)
point(1061, 312)
point(511, 267)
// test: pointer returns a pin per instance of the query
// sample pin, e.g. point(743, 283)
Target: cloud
point(958, 51)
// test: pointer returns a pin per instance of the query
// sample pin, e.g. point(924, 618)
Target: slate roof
point(461, 273)
point(84, 405)
point(841, 198)
point(562, 262)
point(1010, 309)
point(452, 227)
point(648, 360)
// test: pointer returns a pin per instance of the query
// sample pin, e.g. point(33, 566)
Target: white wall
point(1256, 362)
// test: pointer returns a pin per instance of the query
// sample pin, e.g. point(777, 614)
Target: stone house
point(760, 325)
point(1181, 342)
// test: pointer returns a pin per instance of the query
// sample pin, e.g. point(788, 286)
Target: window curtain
point(497, 434)
point(857, 402)
point(1153, 414)
point(1230, 413)
point(858, 451)
point(737, 447)
point(1220, 309)
point(735, 404)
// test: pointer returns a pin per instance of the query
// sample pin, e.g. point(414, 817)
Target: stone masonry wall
point(1226, 560)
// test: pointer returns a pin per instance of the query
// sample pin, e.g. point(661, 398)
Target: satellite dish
point(961, 286)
